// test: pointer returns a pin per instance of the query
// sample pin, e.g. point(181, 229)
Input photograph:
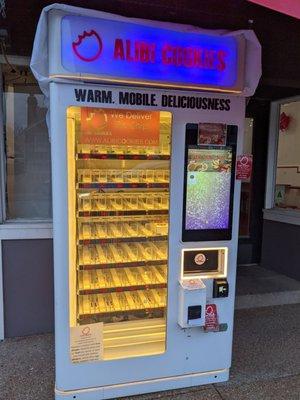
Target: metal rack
point(122, 232)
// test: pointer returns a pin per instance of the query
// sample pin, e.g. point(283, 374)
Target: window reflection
point(27, 147)
point(246, 187)
point(287, 190)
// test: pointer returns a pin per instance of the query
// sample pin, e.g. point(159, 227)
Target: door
point(118, 190)
point(253, 193)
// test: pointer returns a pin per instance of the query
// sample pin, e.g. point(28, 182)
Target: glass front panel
point(287, 190)
point(209, 172)
point(208, 185)
point(119, 173)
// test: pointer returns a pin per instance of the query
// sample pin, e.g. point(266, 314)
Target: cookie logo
point(200, 259)
point(244, 160)
point(86, 331)
point(88, 46)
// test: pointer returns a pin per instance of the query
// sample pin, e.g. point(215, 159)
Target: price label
point(244, 167)
point(86, 343)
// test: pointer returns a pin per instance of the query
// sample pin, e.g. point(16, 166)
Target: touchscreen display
point(208, 183)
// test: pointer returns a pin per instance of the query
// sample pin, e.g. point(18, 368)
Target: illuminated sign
point(129, 52)
point(289, 7)
point(94, 47)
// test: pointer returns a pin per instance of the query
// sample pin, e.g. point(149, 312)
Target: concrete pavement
point(266, 362)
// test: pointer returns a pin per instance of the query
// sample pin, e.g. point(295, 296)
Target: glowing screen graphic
point(208, 188)
point(131, 51)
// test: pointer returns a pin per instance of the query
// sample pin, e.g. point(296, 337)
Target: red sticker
point(244, 167)
point(211, 318)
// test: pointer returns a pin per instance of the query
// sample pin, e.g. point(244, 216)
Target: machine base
point(148, 386)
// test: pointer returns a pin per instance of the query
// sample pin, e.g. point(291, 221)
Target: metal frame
point(2, 205)
point(2, 155)
point(270, 211)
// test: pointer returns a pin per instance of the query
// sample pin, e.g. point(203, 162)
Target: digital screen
point(208, 184)
point(198, 261)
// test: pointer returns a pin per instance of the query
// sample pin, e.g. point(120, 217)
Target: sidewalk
point(260, 287)
point(266, 362)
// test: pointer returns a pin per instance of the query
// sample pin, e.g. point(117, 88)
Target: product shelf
point(124, 230)
point(123, 156)
point(122, 253)
point(121, 213)
point(130, 304)
point(121, 202)
point(109, 177)
point(122, 316)
point(117, 280)
point(141, 263)
point(87, 242)
point(122, 289)
point(121, 185)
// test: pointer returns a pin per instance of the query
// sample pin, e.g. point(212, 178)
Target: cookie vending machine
point(145, 122)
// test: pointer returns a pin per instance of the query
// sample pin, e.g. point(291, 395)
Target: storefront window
point(27, 146)
point(246, 189)
point(287, 189)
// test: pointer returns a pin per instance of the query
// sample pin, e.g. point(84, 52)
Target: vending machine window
point(208, 186)
point(118, 188)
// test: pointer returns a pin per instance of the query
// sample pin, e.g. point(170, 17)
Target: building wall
point(279, 37)
point(28, 287)
point(280, 250)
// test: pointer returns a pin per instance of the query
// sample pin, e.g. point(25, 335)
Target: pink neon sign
point(94, 43)
point(289, 7)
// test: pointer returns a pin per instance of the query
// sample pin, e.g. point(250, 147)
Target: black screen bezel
point(198, 235)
